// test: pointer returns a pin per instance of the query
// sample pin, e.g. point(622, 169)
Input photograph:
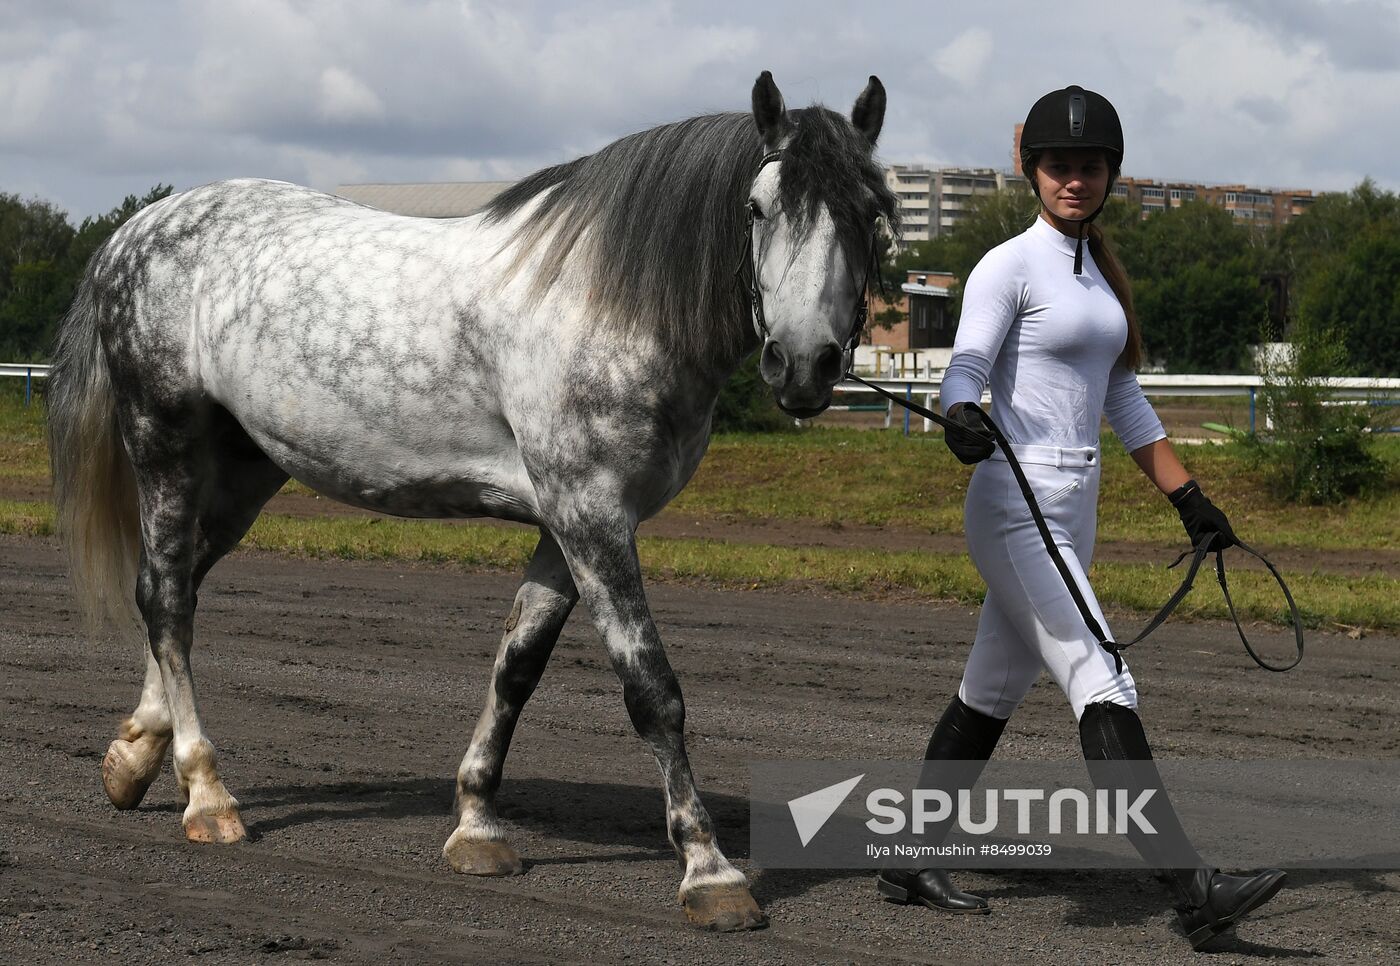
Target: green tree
point(1356, 294)
point(1342, 256)
point(1165, 244)
point(34, 290)
point(38, 295)
point(988, 221)
point(1196, 285)
point(1202, 317)
point(42, 259)
point(1332, 223)
point(30, 231)
point(746, 405)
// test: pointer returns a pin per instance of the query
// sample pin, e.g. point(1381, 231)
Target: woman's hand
point(972, 444)
point(1202, 519)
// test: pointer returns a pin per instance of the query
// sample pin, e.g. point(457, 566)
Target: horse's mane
point(656, 220)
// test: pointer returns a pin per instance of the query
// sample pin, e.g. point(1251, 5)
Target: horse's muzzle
point(801, 383)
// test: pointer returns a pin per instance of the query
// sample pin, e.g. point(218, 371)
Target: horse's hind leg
point(133, 760)
point(197, 500)
point(478, 846)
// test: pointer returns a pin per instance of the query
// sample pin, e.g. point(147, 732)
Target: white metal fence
point(925, 390)
point(28, 371)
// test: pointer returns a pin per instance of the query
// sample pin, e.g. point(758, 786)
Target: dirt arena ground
point(341, 697)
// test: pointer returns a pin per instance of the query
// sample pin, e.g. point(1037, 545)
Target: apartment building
point(933, 200)
point(1259, 206)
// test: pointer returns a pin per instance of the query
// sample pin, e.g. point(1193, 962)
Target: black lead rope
point(755, 297)
point(1198, 554)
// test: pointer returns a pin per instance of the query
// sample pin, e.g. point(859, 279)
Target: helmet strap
point(1082, 222)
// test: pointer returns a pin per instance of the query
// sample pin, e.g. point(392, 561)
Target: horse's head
point(815, 204)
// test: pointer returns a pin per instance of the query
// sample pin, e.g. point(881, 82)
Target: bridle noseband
point(748, 261)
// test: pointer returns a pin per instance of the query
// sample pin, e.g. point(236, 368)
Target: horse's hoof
point(480, 858)
point(221, 828)
point(129, 768)
point(724, 909)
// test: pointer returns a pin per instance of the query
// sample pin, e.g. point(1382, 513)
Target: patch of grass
point(24, 452)
point(1372, 601)
point(832, 475)
point(885, 479)
point(375, 538)
point(26, 519)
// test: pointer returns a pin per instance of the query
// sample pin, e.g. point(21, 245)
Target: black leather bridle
point(748, 264)
point(994, 435)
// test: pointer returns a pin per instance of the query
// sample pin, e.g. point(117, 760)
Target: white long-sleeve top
point(1048, 341)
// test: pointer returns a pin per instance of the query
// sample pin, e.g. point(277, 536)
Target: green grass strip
point(1370, 601)
point(26, 519)
point(831, 476)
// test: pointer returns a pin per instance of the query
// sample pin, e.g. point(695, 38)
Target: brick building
point(934, 200)
point(927, 321)
point(1246, 203)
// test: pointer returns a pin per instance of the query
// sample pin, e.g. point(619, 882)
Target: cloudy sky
point(101, 99)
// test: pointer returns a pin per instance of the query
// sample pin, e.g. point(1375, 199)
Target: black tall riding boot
point(962, 734)
point(1209, 902)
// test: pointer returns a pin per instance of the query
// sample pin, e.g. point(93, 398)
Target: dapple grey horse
point(553, 360)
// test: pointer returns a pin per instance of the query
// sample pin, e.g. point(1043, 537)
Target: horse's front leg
point(602, 555)
point(478, 845)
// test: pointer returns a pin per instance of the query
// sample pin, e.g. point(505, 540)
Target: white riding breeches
point(1029, 621)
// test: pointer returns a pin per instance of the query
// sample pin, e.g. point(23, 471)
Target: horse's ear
point(868, 115)
point(769, 111)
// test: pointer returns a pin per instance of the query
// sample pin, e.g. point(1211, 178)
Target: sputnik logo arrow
point(810, 812)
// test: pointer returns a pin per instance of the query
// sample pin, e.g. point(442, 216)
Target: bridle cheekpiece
point(747, 260)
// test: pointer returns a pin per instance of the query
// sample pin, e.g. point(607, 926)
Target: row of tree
point(1206, 286)
point(1203, 284)
point(42, 257)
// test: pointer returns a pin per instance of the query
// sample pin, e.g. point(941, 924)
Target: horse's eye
point(755, 210)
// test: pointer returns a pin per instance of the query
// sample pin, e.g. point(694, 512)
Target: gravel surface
point(342, 695)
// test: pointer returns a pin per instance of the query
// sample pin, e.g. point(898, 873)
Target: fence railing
point(925, 390)
point(28, 371)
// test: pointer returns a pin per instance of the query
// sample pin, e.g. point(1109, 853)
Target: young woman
point(1048, 321)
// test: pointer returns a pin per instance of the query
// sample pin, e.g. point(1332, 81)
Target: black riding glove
point(971, 444)
point(1201, 518)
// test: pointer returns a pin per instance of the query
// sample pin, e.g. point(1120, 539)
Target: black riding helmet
point(1074, 118)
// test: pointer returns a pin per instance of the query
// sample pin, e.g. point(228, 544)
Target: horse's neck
point(694, 374)
point(703, 373)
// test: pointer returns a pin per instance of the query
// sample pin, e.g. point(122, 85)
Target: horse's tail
point(94, 490)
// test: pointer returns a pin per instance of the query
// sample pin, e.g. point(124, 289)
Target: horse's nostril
point(773, 365)
point(829, 363)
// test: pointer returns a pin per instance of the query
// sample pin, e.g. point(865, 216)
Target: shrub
point(1316, 453)
point(746, 405)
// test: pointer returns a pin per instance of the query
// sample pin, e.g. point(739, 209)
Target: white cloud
point(964, 59)
point(344, 98)
point(100, 100)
